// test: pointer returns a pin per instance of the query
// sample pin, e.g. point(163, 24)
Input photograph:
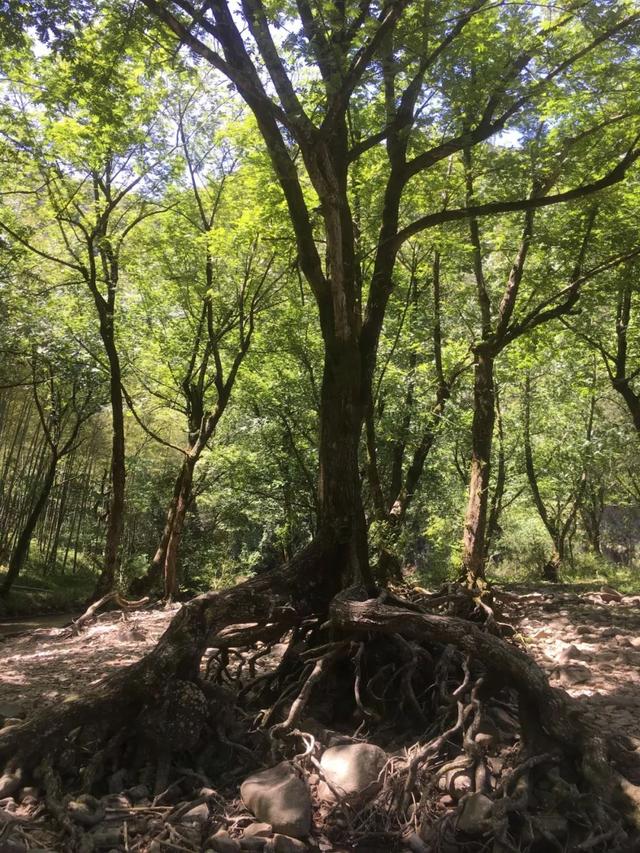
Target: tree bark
point(619, 379)
point(152, 578)
point(183, 499)
point(115, 519)
point(21, 548)
point(493, 522)
point(341, 418)
point(474, 550)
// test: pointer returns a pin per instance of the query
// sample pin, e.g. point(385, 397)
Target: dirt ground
point(45, 666)
point(588, 645)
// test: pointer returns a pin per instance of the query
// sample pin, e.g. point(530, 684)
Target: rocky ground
point(588, 642)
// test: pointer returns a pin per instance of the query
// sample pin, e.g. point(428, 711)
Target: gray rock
point(117, 781)
point(567, 654)
point(608, 593)
point(10, 782)
point(198, 815)
point(455, 777)
point(258, 830)
point(475, 814)
point(488, 734)
point(138, 793)
point(352, 769)
point(222, 842)
point(278, 796)
point(285, 844)
point(105, 838)
point(416, 844)
point(576, 674)
point(253, 845)
point(29, 796)
point(116, 801)
point(86, 810)
point(12, 845)
point(608, 654)
point(207, 792)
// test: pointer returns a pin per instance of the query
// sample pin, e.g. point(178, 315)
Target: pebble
point(278, 796)
point(608, 637)
point(285, 844)
point(198, 814)
point(138, 793)
point(221, 842)
point(258, 830)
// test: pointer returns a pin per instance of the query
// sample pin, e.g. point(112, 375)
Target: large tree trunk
point(21, 548)
point(340, 501)
point(474, 551)
point(182, 502)
point(115, 521)
point(302, 587)
point(153, 577)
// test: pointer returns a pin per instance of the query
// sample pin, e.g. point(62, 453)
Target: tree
point(392, 61)
point(89, 187)
point(395, 480)
point(346, 56)
point(214, 290)
point(64, 404)
point(559, 523)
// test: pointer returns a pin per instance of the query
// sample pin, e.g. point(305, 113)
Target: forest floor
point(36, 594)
point(588, 645)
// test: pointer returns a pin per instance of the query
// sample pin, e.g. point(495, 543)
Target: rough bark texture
point(173, 541)
point(21, 547)
point(552, 709)
point(115, 522)
point(304, 586)
point(481, 438)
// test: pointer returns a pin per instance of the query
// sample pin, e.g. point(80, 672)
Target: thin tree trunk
point(493, 524)
point(474, 550)
point(154, 575)
point(21, 549)
point(175, 535)
point(78, 507)
point(550, 571)
point(36, 468)
point(115, 521)
point(17, 503)
point(342, 518)
point(52, 556)
point(81, 514)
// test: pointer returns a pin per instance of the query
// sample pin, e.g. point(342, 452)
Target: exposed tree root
point(286, 595)
point(90, 613)
point(427, 687)
point(556, 713)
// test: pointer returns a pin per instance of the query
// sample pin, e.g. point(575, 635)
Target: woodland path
point(588, 646)
point(21, 625)
point(45, 665)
